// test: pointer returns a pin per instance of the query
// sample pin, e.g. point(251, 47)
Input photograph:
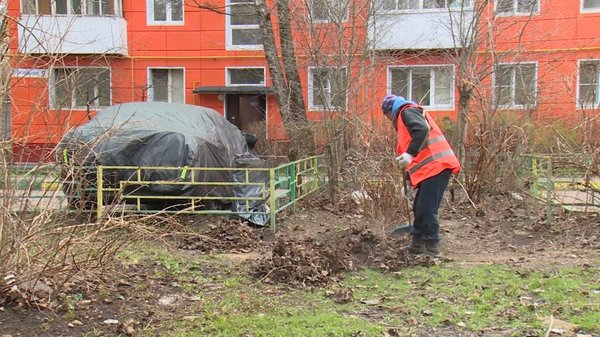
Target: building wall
point(556, 39)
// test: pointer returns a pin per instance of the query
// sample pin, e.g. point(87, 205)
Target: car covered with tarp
point(160, 134)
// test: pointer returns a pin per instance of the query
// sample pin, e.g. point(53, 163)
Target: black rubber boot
point(432, 247)
point(416, 245)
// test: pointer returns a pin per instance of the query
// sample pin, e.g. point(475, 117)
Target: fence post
point(293, 185)
point(549, 192)
point(99, 190)
point(534, 189)
point(6, 130)
point(316, 173)
point(272, 199)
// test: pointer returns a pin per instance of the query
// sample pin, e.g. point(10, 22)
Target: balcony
point(419, 29)
point(72, 27)
point(49, 34)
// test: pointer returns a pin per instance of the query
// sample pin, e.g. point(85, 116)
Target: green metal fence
point(284, 186)
point(30, 187)
point(571, 182)
point(95, 188)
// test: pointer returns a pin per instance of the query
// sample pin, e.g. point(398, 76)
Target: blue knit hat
point(391, 103)
point(388, 102)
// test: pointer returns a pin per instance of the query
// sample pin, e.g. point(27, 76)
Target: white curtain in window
point(167, 85)
point(177, 86)
point(443, 86)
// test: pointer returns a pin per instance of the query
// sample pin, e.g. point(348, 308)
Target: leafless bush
point(493, 156)
point(49, 238)
point(366, 175)
point(43, 249)
point(499, 145)
point(43, 244)
point(44, 254)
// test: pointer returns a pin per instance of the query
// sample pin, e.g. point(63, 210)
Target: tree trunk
point(462, 123)
point(302, 135)
point(270, 49)
point(286, 80)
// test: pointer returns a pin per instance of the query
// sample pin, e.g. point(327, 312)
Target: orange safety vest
point(435, 154)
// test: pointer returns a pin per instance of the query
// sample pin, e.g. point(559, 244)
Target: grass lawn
point(461, 297)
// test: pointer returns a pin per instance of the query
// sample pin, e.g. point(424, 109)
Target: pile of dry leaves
point(314, 261)
point(224, 236)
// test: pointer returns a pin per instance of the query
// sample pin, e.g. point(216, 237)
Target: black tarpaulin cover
point(161, 134)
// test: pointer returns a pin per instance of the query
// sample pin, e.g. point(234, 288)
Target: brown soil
point(309, 249)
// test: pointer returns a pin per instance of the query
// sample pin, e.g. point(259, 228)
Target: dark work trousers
point(427, 202)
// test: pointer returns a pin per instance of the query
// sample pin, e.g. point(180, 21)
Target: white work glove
point(404, 160)
point(407, 193)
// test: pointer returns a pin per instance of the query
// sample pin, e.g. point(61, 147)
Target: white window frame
point(229, 30)
point(311, 103)
point(117, 5)
point(512, 105)
point(96, 105)
point(434, 106)
point(579, 104)
point(589, 10)
point(315, 20)
point(150, 97)
point(228, 77)
point(168, 21)
point(514, 12)
point(421, 8)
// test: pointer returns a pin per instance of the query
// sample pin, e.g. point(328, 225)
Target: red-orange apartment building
point(72, 57)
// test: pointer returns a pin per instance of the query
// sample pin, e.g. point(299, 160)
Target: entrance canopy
point(249, 89)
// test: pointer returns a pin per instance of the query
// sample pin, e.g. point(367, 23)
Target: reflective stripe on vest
point(431, 158)
point(435, 139)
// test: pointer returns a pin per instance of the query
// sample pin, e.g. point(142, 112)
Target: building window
point(245, 76)
point(329, 10)
point(589, 83)
point(166, 85)
point(164, 12)
point(327, 88)
point(406, 5)
point(517, 7)
point(431, 86)
point(80, 88)
point(515, 85)
point(71, 7)
point(591, 5)
point(242, 25)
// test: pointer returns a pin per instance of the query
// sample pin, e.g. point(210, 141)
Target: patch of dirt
point(516, 232)
point(116, 302)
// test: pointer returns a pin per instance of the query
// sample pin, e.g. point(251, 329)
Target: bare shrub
point(500, 143)
point(42, 251)
point(493, 155)
point(364, 178)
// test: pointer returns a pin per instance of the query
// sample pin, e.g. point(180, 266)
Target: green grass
point(254, 312)
point(455, 296)
point(477, 297)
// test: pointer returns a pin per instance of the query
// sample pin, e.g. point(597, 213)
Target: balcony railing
point(73, 7)
point(425, 28)
point(72, 27)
